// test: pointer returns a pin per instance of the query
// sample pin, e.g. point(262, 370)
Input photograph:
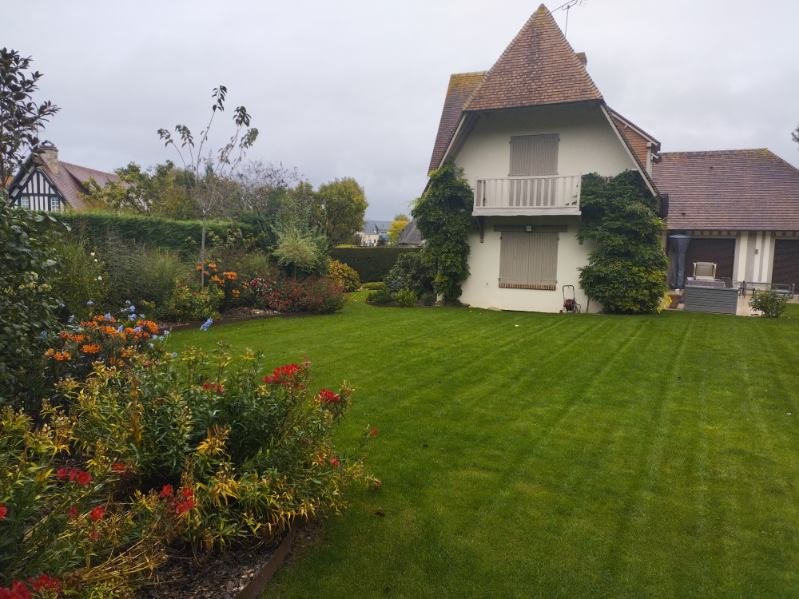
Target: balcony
point(528, 196)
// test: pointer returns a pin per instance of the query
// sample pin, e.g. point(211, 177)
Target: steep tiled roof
point(637, 139)
point(538, 67)
point(71, 179)
point(729, 189)
point(461, 87)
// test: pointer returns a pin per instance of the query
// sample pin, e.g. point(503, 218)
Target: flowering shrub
point(62, 528)
point(82, 281)
point(317, 295)
point(343, 275)
point(193, 304)
point(105, 338)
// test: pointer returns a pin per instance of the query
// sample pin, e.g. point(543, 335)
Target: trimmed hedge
point(372, 263)
point(179, 235)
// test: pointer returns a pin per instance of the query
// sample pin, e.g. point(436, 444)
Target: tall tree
point(397, 225)
point(795, 135)
point(212, 170)
point(21, 118)
point(342, 205)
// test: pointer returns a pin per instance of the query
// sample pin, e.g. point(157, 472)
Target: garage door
point(786, 262)
point(720, 251)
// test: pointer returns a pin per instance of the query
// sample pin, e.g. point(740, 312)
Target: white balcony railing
point(528, 196)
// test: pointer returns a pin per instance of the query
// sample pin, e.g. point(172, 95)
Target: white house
point(524, 133)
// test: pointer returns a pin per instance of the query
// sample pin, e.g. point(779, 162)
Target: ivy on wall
point(444, 217)
point(626, 271)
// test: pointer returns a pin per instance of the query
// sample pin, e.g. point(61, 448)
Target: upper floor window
point(534, 155)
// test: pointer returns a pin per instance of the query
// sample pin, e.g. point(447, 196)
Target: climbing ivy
point(444, 217)
point(626, 270)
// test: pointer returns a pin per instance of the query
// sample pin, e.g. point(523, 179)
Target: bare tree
point(210, 169)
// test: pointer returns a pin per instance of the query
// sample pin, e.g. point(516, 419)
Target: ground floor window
point(528, 260)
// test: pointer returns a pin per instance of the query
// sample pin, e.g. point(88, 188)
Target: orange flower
point(235, 293)
point(216, 279)
point(90, 348)
point(49, 353)
point(62, 356)
point(230, 275)
point(108, 330)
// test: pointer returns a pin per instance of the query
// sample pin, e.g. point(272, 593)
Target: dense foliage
point(341, 206)
point(626, 270)
point(769, 302)
point(181, 236)
point(343, 275)
point(28, 305)
point(21, 117)
point(444, 217)
point(371, 263)
point(314, 295)
point(160, 450)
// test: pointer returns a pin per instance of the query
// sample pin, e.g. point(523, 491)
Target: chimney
point(582, 58)
point(48, 155)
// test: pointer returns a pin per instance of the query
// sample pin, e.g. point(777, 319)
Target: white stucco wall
point(482, 289)
point(587, 144)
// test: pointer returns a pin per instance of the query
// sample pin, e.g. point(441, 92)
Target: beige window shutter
point(529, 260)
point(534, 155)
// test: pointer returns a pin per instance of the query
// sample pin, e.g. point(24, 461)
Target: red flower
point(118, 467)
point(186, 492)
point(329, 397)
point(3, 512)
point(17, 590)
point(83, 478)
point(373, 432)
point(181, 507)
point(62, 473)
point(97, 513)
point(166, 491)
point(282, 375)
point(45, 582)
point(334, 461)
point(93, 535)
point(72, 512)
point(214, 388)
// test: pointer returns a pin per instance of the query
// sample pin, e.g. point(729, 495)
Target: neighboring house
point(410, 236)
point(374, 233)
point(525, 132)
point(46, 183)
point(741, 210)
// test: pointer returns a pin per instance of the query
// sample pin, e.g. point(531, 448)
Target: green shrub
point(82, 281)
point(249, 264)
point(27, 303)
point(371, 263)
point(405, 298)
point(769, 302)
point(411, 271)
point(343, 275)
point(142, 274)
point(188, 304)
point(373, 286)
point(444, 217)
point(626, 271)
point(182, 236)
point(380, 297)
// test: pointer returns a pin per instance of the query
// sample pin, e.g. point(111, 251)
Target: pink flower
point(3, 511)
point(334, 461)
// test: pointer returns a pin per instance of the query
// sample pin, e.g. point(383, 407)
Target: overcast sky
point(355, 87)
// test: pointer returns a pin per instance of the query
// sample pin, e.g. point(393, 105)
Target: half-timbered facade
point(48, 184)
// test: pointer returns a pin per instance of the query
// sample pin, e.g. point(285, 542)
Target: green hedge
point(179, 235)
point(372, 264)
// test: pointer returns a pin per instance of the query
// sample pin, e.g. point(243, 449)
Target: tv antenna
point(567, 6)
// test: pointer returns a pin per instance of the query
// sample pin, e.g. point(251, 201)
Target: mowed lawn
point(553, 455)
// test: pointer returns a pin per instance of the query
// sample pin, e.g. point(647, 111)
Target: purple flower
point(207, 324)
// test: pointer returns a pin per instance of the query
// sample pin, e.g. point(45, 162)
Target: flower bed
point(149, 450)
